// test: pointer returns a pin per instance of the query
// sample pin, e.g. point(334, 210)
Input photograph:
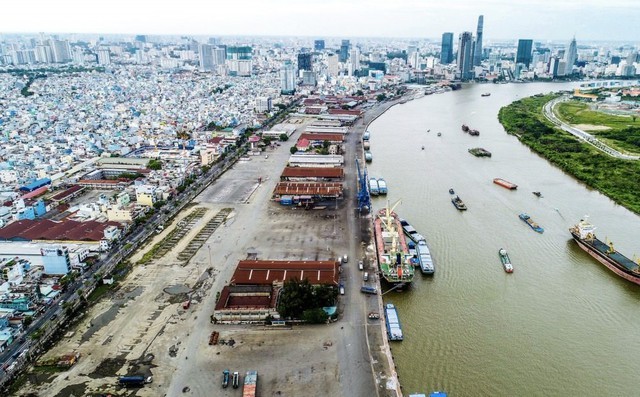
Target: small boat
point(474, 132)
point(425, 259)
point(465, 128)
point(374, 315)
point(538, 194)
point(410, 231)
point(480, 152)
point(506, 262)
point(527, 219)
point(429, 130)
point(394, 330)
point(505, 183)
point(423, 148)
point(458, 203)
point(368, 157)
point(382, 186)
point(374, 189)
point(451, 191)
point(485, 94)
point(439, 133)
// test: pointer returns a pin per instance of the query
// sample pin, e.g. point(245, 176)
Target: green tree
point(154, 164)
point(293, 149)
point(381, 97)
point(359, 93)
point(284, 137)
point(27, 320)
point(295, 297)
point(315, 316)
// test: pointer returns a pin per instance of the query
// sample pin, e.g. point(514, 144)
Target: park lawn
point(575, 112)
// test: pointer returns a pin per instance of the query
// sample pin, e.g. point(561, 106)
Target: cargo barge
point(505, 183)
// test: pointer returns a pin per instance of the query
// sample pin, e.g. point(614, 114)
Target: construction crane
point(364, 200)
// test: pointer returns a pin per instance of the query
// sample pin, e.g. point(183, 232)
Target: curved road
point(590, 139)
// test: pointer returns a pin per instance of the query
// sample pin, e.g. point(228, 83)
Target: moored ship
point(527, 219)
point(382, 186)
point(394, 258)
point(394, 329)
point(425, 259)
point(583, 234)
point(505, 183)
point(374, 189)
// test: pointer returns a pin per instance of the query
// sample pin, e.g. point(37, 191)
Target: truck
point(250, 384)
point(132, 381)
point(186, 304)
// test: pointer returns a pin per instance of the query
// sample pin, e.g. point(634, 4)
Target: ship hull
point(391, 272)
point(602, 258)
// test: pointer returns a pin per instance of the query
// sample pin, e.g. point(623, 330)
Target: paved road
point(590, 139)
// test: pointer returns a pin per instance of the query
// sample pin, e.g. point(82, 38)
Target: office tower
point(570, 57)
point(318, 45)
point(44, 54)
point(344, 51)
point(263, 104)
point(104, 57)
point(477, 49)
point(61, 50)
point(332, 65)
point(309, 78)
point(465, 62)
point(239, 60)
point(213, 41)
point(554, 64)
point(304, 61)
point(355, 58)
point(615, 60)
point(219, 55)
point(287, 78)
point(205, 52)
point(141, 38)
point(632, 57)
point(525, 48)
point(446, 53)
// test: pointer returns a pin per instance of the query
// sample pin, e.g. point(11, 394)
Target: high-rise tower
point(477, 49)
point(570, 57)
point(446, 53)
point(344, 51)
point(525, 48)
point(465, 61)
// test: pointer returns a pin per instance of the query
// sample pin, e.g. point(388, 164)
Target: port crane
point(364, 200)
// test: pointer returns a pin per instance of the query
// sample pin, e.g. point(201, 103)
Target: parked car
point(360, 265)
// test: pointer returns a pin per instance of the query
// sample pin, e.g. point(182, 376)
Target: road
point(590, 139)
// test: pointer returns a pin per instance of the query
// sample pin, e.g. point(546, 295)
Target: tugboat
point(439, 133)
point(451, 191)
point(538, 194)
point(506, 262)
point(458, 203)
point(485, 94)
point(422, 147)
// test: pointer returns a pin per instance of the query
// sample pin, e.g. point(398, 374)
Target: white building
point(263, 104)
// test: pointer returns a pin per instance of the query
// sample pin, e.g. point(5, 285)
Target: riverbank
point(613, 177)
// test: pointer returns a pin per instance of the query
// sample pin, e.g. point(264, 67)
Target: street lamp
point(209, 249)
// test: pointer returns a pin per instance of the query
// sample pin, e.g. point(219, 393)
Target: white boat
point(374, 189)
point(382, 186)
point(424, 256)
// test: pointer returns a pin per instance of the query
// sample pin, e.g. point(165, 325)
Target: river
point(561, 324)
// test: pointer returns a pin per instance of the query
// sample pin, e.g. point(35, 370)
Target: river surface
point(562, 324)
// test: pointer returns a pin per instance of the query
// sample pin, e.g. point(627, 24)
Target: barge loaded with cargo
point(394, 329)
point(583, 234)
point(505, 183)
point(394, 258)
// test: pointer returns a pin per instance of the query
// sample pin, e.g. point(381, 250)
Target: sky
point(588, 20)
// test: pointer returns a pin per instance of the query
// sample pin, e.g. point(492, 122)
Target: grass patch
point(100, 291)
point(575, 112)
point(618, 179)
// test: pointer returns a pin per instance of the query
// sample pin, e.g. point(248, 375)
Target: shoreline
point(385, 348)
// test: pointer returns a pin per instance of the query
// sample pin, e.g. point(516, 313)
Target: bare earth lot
point(142, 328)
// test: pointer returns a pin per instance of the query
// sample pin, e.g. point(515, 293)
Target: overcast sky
point(608, 20)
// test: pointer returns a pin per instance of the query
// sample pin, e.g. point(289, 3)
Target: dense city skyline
point(537, 19)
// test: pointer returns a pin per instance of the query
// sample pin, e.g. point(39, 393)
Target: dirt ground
point(142, 328)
